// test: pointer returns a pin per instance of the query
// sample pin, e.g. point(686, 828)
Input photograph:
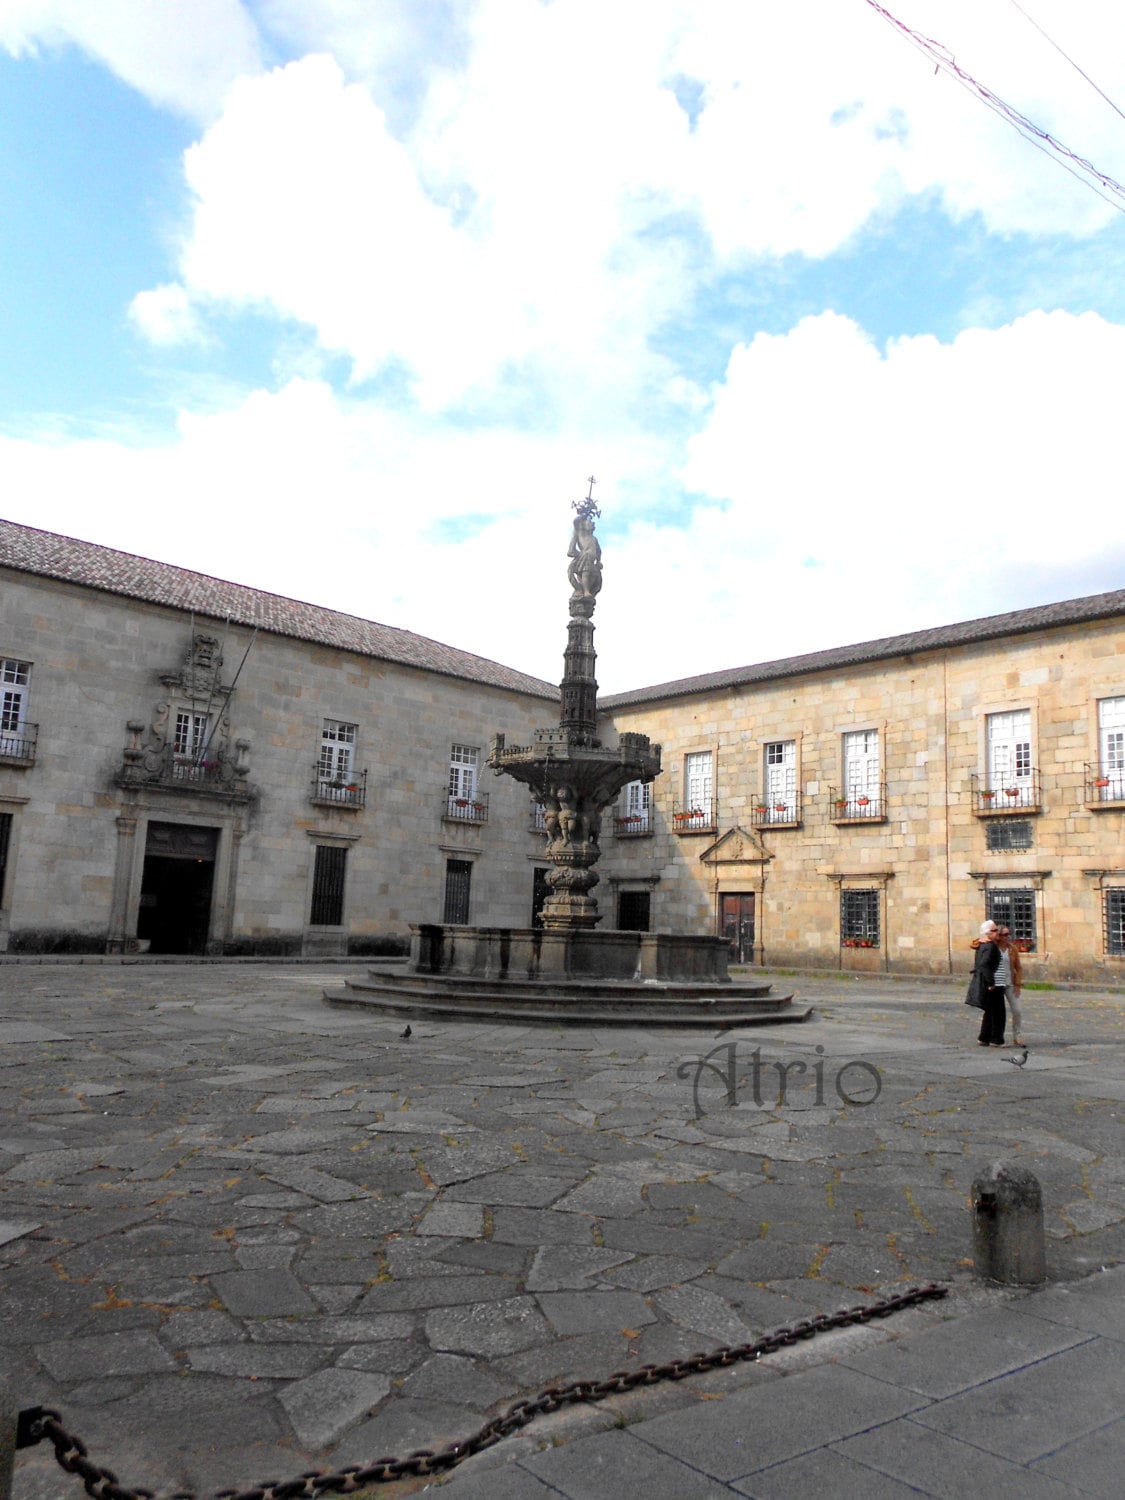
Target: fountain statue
point(572, 776)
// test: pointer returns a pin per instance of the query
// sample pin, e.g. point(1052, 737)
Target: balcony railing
point(17, 745)
point(780, 810)
point(859, 804)
point(996, 794)
point(472, 809)
point(1105, 785)
point(633, 825)
point(165, 770)
point(340, 791)
point(695, 818)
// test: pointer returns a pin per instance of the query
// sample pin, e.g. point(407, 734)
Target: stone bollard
point(1008, 1241)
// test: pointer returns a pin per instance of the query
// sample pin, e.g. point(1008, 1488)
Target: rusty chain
point(37, 1423)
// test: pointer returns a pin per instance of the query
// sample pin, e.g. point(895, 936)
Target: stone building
point(188, 765)
point(865, 808)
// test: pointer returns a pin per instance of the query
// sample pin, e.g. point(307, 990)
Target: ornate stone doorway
point(176, 888)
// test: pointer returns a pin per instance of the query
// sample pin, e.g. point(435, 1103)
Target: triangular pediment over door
point(736, 847)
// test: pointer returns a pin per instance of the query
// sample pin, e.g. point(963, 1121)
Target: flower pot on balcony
point(1011, 791)
point(862, 801)
point(987, 796)
point(1102, 781)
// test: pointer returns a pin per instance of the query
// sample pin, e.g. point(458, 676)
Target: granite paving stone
point(261, 1294)
point(616, 1463)
point(323, 1406)
point(130, 1353)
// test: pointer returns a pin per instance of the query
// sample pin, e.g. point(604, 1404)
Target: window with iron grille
point(458, 880)
point(1014, 910)
point(1009, 833)
point(328, 886)
point(5, 844)
point(1115, 921)
point(859, 919)
point(337, 747)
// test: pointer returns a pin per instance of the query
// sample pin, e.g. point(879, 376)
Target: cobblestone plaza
point(246, 1234)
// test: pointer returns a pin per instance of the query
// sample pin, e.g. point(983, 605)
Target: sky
point(347, 299)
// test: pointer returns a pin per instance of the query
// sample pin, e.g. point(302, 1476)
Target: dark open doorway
point(176, 887)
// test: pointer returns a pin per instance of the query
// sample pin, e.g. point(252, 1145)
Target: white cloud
point(165, 316)
point(181, 55)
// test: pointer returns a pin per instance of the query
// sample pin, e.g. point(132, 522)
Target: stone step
point(577, 1003)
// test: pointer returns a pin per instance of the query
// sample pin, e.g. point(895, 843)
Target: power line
point(1103, 184)
point(1032, 21)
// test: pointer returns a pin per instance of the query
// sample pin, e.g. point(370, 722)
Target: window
point(458, 880)
point(697, 813)
point(1111, 750)
point(1008, 833)
point(328, 886)
point(859, 919)
point(1014, 909)
point(1115, 922)
point(463, 772)
point(633, 911)
point(5, 845)
point(337, 751)
point(1009, 777)
point(190, 735)
point(780, 799)
point(861, 774)
point(464, 802)
point(15, 732)
point(635, 815)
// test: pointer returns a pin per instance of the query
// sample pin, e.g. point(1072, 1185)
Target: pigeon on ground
point(1018, 1062)
point(406, 1035)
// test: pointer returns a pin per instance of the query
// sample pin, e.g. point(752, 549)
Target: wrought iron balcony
point(994, 795)
point(633, 825)
point(777, 811)
point(859, 804)
point(17, 745)
point(472, 809)
point(696, 817)
point(1105, 784)
point(340, 791)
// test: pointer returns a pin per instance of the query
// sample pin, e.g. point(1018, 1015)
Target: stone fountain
point(566, 971)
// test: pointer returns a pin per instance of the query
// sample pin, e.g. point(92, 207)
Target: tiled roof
point(30, 551)
point(969, 633)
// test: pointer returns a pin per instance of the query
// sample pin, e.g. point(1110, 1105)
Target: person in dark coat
point(987, 962)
